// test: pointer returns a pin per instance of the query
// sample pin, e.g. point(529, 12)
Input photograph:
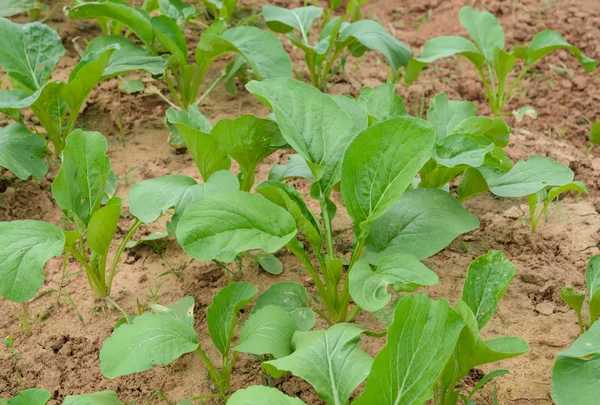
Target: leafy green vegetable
point(31, 396)
point(259, 395)
point(576, 300)
point(98, 398)
point(269, 330)
point(293, 298)
point(382, 103)
point(22, 152)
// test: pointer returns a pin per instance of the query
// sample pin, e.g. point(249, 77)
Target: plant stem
point(324, 316)
point(214, 374)
point(345, 297)
point(327, 224)
point(211, 88)
point(24, 318)
point(115, 262)
point(173, 92)
point(95, 285)
point(248, 180)
point(112, 302)
point(488, 91)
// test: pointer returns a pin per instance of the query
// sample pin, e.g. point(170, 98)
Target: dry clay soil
point(61, 353)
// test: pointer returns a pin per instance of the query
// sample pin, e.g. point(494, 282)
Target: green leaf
point(221, 226)
point(406, 369)
point(182, 310)
point(578, 186)
point(221, 315)
point(29, 53)
point(103, 225)
point(352, 108)
point(527, 111)
point(471, 184)
point(484, 29)
point(151, 339)
point(548, 41)
point(330, 360)
point(370, 34)
point(495, 129)
point(443, 47)
point(22, 152)
point(9, 8)
point(487, 280)
point(31, 396)
point(79, 185)
point(25, 247)
point(262, 51)
point(131, 86)
point(261, 395)
point(284, 20)
point(421, 223)
point(149, 239)
point(268, 331)
point(504, 62)
point(381, 163)
point(369, 288)
point(446, 114)
point(592, 282)
point(460, 150)
point(486, 379)
point(293, 298)
point(382, 103)
point(572, 299)
point(195, 130)
point(178, 11)
point(527, 177)
point(296, 167)
point(270, 263)
point(98, 398)
point(312, 123)
point(595, 133)
point(171, 37)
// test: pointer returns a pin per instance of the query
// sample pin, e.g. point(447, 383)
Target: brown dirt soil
point(61, 352)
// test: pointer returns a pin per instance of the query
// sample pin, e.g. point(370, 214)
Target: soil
point(60, 353)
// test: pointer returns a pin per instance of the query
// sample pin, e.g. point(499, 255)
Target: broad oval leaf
point(577, 186)
point(421, 223)
point(495, 129)
point(471, 184)
point(268, 330)
point(9, 8)
point(103, 225)
point(484, 29)
point(369, 288)
point(296, 167)
point(221, 226)
point(381, 163)
point(25, 247)
point(446, 114)
point(461, 150)
point(22, 152)
point(292, 297)
point(572, 299)
point(151, 339)
point(592, 282)
point(97, 398)
point(487, 280)
point(406, 369)
point(548, 41)
point(31, 396)
point(330, 360)
point(382, 103)
point(284, 20)
point(261, 395)
point(221, 315)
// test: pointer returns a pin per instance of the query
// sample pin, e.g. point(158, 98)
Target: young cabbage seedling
point(221, 9)
point(56, 104)
point(36, 396)
point(486, 52)
point(335, 37)
point(255, 49)
point(576, 300)
point(160, 337)
point(375, 166)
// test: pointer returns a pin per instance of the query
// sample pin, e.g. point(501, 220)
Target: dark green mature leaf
point(575, 372)
point(171, 37)
point(406, 369)
point(443, 47)
point(352, 108)
point(548, 41)
point(79, 186)
point(22, 152)
point(421, 223)
point(369, 288)
point(262, 51)
point(312, 123)
point(592, 282)
point(487, 280)
point(293, 298)
point(296, 167)
point(382, 103)
point(261, 395)
point(151, 339)
point(527, 177)
point(221, 226)
point(103, 225)
point(484, 29)
point(268, 330)
point(98, 398)
point(446, 114)
point(370, 34)
point(25, 247)
point(381, 163)
point(284, 20)
point(330, 360)
point(29, 53)
point(221, 315)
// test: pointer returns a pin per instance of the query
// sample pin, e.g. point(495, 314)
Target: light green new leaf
point(504, 62)
point(592, 282)
point(369, 288)
point(171, 37)
point(25, 247)
point(269, 263)
point(577, 186)
point(484, 29)
point(22, 152)
point(178, 11)
point(595, 133)
point(296, 167)
point(79, 186)
point(8, 8)
point(221, 226)
point(97, 398)
point(221, 315)
point(382, 103)
point(421, 223)
point(572, 299)
point(261, 395)
point(495, 129)
point(29, 53)
point(381, 163)
point(292, 297)
point(330, 360)
point(284, 20)
point(103, 225)
point(151, 339)
point(182, 310)
point(548, 41)
point(419, 342)
point(487, 280)
point(527, 177)
point(268, 330)
point(471, 184)
point(446, 114)
point(31, 396)
point(262, 51)
point(460, 150)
